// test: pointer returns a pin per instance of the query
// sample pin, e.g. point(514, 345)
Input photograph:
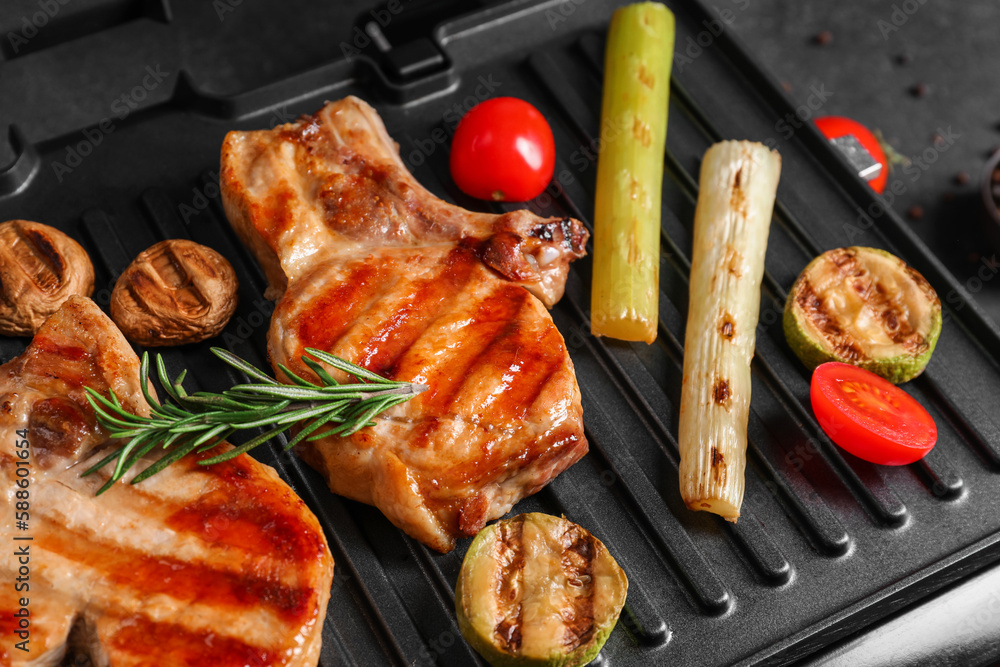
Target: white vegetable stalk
point(738, 183)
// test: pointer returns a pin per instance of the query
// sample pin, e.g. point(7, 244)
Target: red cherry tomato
point(869, 416)
point(838, 126)
point(503, 150)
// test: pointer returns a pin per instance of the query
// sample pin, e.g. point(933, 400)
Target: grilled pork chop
point(370, 266)
point(219, 565)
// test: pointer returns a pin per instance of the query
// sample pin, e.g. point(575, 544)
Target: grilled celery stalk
point(630, 173)
point(731, 222)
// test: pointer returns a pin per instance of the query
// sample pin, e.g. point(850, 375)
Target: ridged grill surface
point(826, 543)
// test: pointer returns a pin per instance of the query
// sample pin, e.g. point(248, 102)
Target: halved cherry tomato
point(839, 126)
point(503, 150)
point(870, 417)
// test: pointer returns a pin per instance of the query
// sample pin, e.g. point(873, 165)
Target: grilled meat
point(370, 266)
point(219, 565)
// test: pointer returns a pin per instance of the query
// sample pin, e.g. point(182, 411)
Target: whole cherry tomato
point(869, 416)
point(503, 150)
point(833, 127)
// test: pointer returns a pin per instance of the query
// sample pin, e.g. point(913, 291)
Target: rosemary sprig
point(201, 421)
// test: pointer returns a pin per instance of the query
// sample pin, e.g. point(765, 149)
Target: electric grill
point(117, 110)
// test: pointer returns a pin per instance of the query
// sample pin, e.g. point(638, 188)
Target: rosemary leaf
point(175, 454)
point(178, 385)
point(143, 373)
point(298, 393)
point(183, 423)
point(126, 450)
point(375, 408)
point(99, 402)
point(307, 413)
point(214, 442)
point(320, 372)
point(241, 365)
point(246, 447)
point(346, 366)
point(161, 372)
point(140, 452)
point(216, 401)
point(214, 433)
point(264, 421)
point(296, 379)
point(310, 429)
point(172, 411)
point(245, 417)
point(103, 462)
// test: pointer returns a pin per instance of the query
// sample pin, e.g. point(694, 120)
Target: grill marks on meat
point(137, 638)
point(219, 565)
point(115, 569)
point(372, 267)
point(401, 309)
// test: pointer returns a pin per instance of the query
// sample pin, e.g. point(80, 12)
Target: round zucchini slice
point(538, 591)
point(866, 307)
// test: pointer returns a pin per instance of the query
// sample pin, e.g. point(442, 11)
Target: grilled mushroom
point(174, 292)
point(40, 267)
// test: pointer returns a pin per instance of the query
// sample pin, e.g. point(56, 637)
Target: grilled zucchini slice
point(538, 591)
point(866, 307)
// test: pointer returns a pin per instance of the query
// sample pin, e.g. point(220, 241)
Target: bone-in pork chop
point(215, 566)
point(371, 267)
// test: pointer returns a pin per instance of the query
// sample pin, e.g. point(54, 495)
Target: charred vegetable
point(538, 590)
point(731, 222)
point(625, 296)
point(866, 307)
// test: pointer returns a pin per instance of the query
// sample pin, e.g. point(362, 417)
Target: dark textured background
point(878, 52)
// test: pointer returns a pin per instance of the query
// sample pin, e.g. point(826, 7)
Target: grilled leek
point(738, 183)
point(624, 300)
